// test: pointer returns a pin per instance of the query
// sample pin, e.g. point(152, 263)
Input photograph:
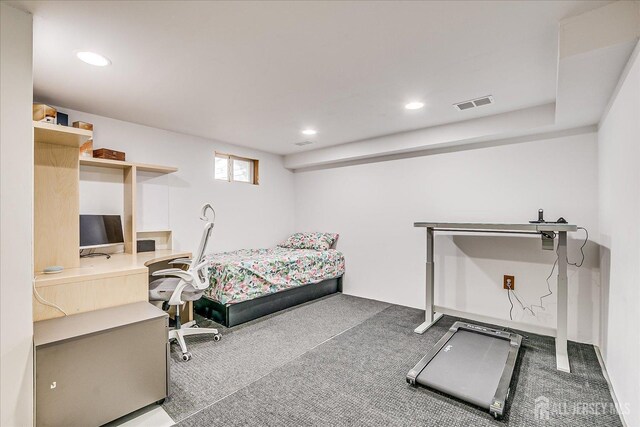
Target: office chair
point(185, 285)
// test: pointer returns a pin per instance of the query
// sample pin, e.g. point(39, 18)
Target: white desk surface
point(544, 226)
point(101, 267)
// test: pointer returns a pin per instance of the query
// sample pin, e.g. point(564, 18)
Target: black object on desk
point(540, 217)
point(146, 245)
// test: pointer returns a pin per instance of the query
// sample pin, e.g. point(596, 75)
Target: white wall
point(619, 187)
point(248, 216)
point(373, 207)
point(16, 224)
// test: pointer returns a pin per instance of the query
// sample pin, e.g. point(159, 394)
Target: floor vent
point(479, 102)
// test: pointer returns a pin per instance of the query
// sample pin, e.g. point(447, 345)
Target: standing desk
point(431, 316)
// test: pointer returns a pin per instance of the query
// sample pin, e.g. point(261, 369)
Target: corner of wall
point(618, 210)
point(16, 223)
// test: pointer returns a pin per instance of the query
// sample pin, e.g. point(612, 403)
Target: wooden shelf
point(89, 161)
point(155, 168)
point(49, 133)
point(106, 163)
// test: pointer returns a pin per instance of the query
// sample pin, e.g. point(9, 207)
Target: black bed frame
point(234, 314)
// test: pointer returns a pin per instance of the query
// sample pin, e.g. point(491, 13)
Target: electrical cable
point(586, 239)
point(44, 301)
point(524, 308)
point(509, 291)
point(555, 264)
point(510, 302)
point(549, 291)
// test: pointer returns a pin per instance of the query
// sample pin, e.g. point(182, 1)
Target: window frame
point(253, 179)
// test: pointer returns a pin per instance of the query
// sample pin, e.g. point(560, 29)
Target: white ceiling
point(256, 73)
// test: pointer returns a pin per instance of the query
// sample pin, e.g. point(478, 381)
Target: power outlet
point(509, 282)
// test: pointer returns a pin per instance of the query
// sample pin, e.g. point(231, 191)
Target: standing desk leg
point(430, 316)
point(562, 356)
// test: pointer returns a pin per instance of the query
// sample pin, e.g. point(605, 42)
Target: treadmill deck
point(472, 363)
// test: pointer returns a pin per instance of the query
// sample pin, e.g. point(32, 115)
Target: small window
point(222, 167)
point(236, 169)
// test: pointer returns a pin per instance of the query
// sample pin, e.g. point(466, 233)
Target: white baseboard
point(534, 329)
point(606, 377)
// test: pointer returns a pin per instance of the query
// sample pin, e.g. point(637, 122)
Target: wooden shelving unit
point(130, 171)
point(57, 195)
point(60, 135)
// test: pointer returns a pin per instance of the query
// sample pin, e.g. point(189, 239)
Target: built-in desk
point(98, 283)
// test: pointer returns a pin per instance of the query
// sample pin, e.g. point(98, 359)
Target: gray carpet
point(358, 376)
point(248, 352)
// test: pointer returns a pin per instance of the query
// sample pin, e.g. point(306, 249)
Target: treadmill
point(472, 363)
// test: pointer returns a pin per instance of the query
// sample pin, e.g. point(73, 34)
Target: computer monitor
point(100, 230)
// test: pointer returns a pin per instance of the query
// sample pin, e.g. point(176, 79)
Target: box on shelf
point(86, 149)
point(44, 113)
point(107, 153)
point(62, 119)
point(83, 125)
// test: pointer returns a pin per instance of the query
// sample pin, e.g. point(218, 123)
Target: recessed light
point(414, 105)
point(93, 58)
point(309, 132)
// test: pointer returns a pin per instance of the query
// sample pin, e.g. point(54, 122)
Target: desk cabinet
point(99, 283)
point(89, 295)
point(94, 367)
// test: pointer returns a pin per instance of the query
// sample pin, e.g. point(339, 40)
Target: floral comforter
point(249, 273)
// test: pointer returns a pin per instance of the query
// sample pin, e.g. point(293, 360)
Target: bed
point(251, 283)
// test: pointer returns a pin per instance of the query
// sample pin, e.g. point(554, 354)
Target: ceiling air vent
point(302, 143)
point(479, 102)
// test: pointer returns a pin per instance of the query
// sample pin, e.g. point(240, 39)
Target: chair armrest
point(176, 272)
point(183, 261)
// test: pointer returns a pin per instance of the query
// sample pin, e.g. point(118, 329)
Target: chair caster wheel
point(186, 356)
point(217, 337)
